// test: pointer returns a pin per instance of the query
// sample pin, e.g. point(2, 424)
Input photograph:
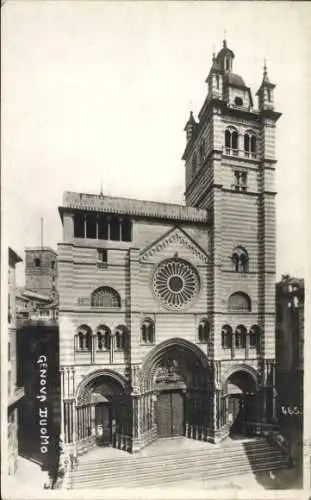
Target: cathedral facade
point(167, 312)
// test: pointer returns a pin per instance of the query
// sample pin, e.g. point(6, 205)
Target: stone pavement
point(287, 479)
point(28, 481)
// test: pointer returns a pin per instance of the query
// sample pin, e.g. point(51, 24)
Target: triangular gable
point(173, 236)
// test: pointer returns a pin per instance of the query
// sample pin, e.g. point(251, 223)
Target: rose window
point(176, 283)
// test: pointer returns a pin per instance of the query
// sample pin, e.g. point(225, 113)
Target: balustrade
point(240, 153)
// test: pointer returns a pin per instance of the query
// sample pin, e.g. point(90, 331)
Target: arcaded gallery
point(166, 312)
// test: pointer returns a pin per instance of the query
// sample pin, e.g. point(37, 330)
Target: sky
point(104, 89)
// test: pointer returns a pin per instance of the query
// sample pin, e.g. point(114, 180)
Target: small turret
point(215, 79)
point(190, 127)
point(265, 92)
point(225, 58)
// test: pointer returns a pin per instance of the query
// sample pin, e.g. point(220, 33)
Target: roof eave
point(203, 219)
point(14, 256)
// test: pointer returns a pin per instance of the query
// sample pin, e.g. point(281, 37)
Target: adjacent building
point(41, 270)
point(167, 312)
point(290, 293)
point(38, 299)
point(37, 337)
point(15, 392)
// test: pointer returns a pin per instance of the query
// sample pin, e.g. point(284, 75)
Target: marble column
point(93, 421)
point(136, 423)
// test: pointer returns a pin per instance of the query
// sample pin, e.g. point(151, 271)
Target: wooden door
point(177, 403)
point(164, 414)
point(170, 414)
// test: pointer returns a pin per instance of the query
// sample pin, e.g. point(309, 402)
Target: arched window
point(239, 301)
point(84, 338)
point(228, 138)
point(121, 338)
point(88, 341)
point(234, 140)
point(254, 336)
point(147, 331)
point(231, 141)
point(246, 142)
point(194, 164)
point(103, 338)
point(243, 263)
point(105, 297)
point(235, 261)
point(81, 341)
point(269, 95)
point(203, 331)
point(240, 337)
point(240, 260)
point(253, 144)
point(250, 143)
point(226, 337)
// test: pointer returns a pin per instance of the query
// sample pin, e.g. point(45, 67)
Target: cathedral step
point(154, 470)
point(192, 455)
point(169, 462)
point(177, 477)
point(173, 453)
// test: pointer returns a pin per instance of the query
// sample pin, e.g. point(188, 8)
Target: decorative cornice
point(269, 113)
point(173, 236)
point(131, 207)
point(270, 193)
point(246, 193)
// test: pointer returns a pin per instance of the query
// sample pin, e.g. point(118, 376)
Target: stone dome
point(234, 79)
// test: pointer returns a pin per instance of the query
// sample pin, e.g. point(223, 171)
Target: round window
point(238, 101)
point(175, 283)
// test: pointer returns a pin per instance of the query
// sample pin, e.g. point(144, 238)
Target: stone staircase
point(203, 463)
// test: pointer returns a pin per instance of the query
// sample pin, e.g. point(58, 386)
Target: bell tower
point(41, 270)
point(230, 169)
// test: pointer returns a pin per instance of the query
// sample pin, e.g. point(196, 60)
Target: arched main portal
point(176, 374)
point(103, 410)
point(242, 402)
